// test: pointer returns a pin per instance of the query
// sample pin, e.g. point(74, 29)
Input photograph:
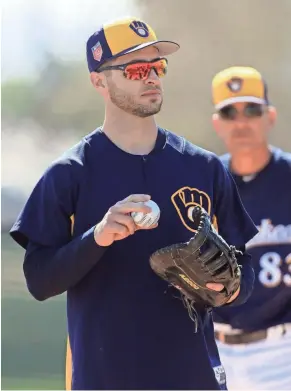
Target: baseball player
point(127, 329)
point(255, 339)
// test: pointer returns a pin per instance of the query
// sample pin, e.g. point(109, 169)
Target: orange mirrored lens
point(141, 70)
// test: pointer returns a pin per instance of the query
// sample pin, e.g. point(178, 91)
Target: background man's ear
point(272, 115)
point(216, 124)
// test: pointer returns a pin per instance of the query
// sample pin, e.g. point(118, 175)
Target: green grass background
point(33, 333)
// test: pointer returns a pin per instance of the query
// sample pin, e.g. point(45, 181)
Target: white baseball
point(145, 220)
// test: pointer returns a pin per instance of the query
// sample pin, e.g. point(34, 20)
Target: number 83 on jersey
point(271, 274)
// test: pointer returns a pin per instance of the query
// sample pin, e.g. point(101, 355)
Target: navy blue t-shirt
point(127, 329)
point(267, 198)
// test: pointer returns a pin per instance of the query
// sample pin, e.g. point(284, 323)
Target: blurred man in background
point(254, 339)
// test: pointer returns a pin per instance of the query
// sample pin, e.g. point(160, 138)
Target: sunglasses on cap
point(140, 70)
point(251, 110)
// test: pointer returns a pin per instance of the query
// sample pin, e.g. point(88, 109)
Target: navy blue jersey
point(127, 329)
point(267, 198)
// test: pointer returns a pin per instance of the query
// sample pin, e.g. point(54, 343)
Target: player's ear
point(99, 82)
point(272, 115)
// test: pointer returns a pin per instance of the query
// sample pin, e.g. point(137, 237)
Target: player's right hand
point(118, 224)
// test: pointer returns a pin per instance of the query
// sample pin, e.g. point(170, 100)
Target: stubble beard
point(127, 103)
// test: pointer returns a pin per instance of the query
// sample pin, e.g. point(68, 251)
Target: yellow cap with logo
point(123, 36)
point(238, 84)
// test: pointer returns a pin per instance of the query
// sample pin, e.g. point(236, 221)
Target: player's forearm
point(50, 272)
point(247, 280)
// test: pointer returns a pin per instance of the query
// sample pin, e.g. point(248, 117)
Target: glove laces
point(193, 314)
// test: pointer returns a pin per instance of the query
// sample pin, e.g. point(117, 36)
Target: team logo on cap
point(140, 28)
point(235, 84)
point(97, 51)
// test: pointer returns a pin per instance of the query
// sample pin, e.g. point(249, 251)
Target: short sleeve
point(46, 217)
point(233, 221)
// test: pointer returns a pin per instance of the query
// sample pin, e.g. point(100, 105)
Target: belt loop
point(284, 330)
point(221, 337)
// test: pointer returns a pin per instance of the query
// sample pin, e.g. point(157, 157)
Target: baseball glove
point(206, 258)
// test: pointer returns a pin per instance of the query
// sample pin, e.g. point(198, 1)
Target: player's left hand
point(204, 269)
point(219, 287)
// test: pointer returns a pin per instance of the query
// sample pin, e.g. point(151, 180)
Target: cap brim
point(165, 48)
point(237, 99)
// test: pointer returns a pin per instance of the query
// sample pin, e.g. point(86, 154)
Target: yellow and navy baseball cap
point(238, 84)
point(123, 36)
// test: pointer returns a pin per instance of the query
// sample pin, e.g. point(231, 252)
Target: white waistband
point(275, 330)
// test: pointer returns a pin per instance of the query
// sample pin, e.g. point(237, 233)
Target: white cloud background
point(32, 27)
